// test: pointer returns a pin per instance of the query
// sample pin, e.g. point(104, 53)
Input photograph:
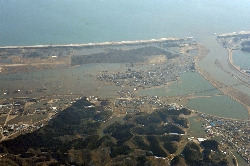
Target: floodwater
point(242, 59)
point(80, 80)
point(240, 160)
point(189, 82)
point(208, 98)
point(196, 129)
point(222, 106)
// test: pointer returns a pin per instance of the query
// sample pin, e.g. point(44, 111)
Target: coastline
point(234, 34)
point(101, 43)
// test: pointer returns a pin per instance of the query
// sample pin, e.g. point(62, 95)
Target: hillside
point(71, 139)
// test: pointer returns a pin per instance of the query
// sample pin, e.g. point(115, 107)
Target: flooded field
point(241, 59)
point(240, 160)
point(206, 98)
point(27, 119)
point(222, 106)
point(189, 83)
point(2, 119)
point(78, 80)
point(81, 81)
point(196, 128)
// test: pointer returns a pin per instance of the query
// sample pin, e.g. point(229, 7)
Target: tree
point(178, 161)
point(210, 145)
point(192, 152)
point(171, 147)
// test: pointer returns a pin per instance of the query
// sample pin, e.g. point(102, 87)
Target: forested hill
point(71, 139)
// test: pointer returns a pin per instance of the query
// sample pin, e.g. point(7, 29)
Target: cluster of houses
point(18, 128)
point(134, 105)
point(145, 78)
point(234, 133)
point(199, 139)
point(18, 107)
point(126, 93)
point(233, 40)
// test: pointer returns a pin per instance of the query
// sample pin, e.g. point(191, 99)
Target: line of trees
point(121, 56)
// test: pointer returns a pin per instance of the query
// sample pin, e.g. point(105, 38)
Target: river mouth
point(201, 95)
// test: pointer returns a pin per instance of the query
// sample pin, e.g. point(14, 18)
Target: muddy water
point(222, 106)
point(240, 160)
point(241, 59)
point(80, 80)
point(196, 129)
point(189, 83)
point(217, 52)
point(207, 98)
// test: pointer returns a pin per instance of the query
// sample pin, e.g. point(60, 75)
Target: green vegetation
point(191, 155)
point(116, 127)
point(75, 120)
point(170, 138)
point(181, 121)
point(120, 150)
point(210, 144)
point(139, 142)
point(143, 161)
point(155, 148)
point(171, 147)
point(178, 161)
point(121, 56)
point(103, 115)
point(71, 139)
point(122, 136)
point(152, 122)
point(32, 55)
point(192, 152)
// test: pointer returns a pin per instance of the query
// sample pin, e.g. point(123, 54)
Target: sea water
point(29, 22)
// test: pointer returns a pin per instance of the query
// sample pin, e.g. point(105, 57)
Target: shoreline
point(101, 43)
point(234, 34)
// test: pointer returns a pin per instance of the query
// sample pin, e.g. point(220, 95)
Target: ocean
point(35, 22)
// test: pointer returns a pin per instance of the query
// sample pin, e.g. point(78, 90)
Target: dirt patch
point(2, 119)
point(156, 59)
point(27, 119)
point(11, 117)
